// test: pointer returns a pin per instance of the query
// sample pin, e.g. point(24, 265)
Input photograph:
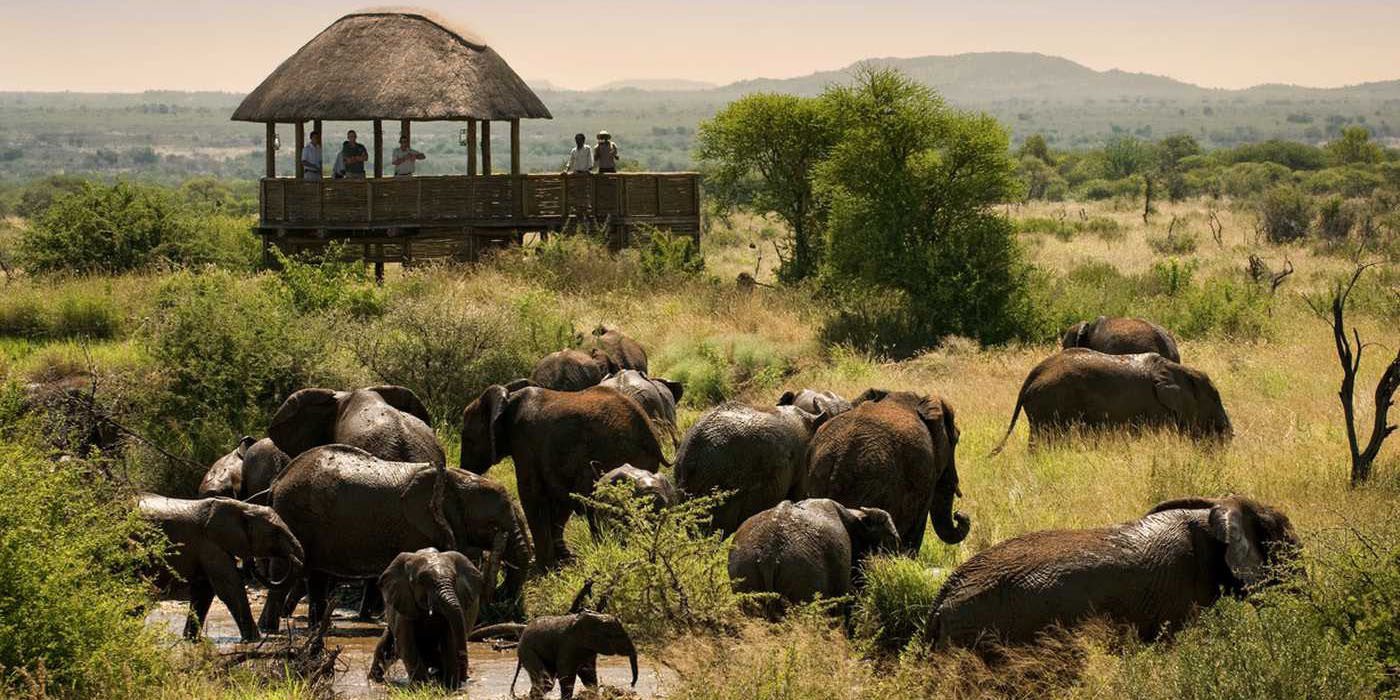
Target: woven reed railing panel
point(544, 196)
point(491, 197)
point(607, 196)
point(272, 200)
point(641, 196)
point(395, 199)
point(676, 195)
point(445, 198)
point(346, 201)
point(303, 202)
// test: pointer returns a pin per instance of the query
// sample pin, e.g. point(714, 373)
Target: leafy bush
point(1355, 586)
point(328, 281)
point(896, 601)
point(1335, 218)
point(103, 229)
point(68, 583)
point(716, 368)
point(667, 255)
point(656, 570)
point(64, 312)
point(1174, 243)
point(1250, 179)
point(1058, 228)
point(1285, 213)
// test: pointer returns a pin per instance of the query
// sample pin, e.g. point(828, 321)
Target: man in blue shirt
point(353, 155)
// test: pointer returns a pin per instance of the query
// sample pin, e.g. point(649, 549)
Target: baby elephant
point(563, 647)
point(431, 600)
point(814, 401)
point(1121, 336)
point(805, 549)
point(1151, 574)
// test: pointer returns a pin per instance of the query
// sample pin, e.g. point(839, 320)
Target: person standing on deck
point(405, 159)
point(581, 158)
point(605, 153)
point(353, 156)
point(311, 158)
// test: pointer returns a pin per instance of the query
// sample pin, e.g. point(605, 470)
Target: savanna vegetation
point(932, 263)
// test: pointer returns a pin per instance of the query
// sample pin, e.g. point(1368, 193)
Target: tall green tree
point(1354, 147)
point(1170, 152)
point(911, 189)
point(762, 150)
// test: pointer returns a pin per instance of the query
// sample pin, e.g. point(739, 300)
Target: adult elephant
point(1087, 388)
point(354, 513)
point(571, 370)
point(758, 453)
point(658, 397)
point(1152, 574)
point(208, 536)
point(622, 351)
point(815, 401)
point(554, 437)
point(1121, 336)
point(247, 470)
point(431, 600)
point(807, 549)
point(389, 422)
point(894, 451)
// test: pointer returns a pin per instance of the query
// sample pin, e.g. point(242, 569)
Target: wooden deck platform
point(423, 218)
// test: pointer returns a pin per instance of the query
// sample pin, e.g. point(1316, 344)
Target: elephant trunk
point(447, 604)
point(952, 526)
point(632, 659)
point(519, 556)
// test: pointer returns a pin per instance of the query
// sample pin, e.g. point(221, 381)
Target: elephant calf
point(814, 401)
point(1152, 573)
point(207, 536)
point(565, 647)
point(805, 549)
point(1079, 387)
point(621, 350)
point(654, 485)
point(1121, 336)
point(431, 600)
point(247, 470)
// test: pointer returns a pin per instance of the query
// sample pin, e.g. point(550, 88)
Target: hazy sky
point(126, 45)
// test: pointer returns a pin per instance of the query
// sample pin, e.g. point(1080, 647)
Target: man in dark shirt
point(353, 155)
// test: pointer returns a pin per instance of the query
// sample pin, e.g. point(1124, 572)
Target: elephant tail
point(448, 540)
point(1012, 427)
point(515, 677)
point(504, 630)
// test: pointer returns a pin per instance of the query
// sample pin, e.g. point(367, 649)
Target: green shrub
point(667, 256)
point(1058, 228)
point(67, 311)
point(700, 366)
point(328, 281)
point(657, 571)
point(572, 263)
point(1335, 218)
point(1250, 179)
point(1174, 243)
point(1285, 213)
point(70, 597)
point(103, 229)
point(1355, 586)
point(896, 600)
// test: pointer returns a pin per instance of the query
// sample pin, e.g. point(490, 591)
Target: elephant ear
point(1074, 335)
point(936, 416)
point(243, 446)
point(468, 575)
point(875, 395)
point(605, 361)
point(396, 584)
point(676, 389)
point(1167, 384)
point(1168, 343)
point(305, 420)
point(226, 524)
point(405, 400)
point(1231, 525)
point(788, 398)
point(481, 421)
point(1189, 503)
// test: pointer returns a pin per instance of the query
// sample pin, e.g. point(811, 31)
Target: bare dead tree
point(1349, 351)
point(1217, 229)
point(1147, 208)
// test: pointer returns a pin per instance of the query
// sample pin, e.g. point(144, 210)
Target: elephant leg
point(271, 618)
point(566, 685)
point(538, 516)
point(911, 543)
point(371, 602)
point(201, 595)
point(294, 596)
point(384, 654)
point(588, 673)
point(228, 585)
point(318, 588)
point(559, 520)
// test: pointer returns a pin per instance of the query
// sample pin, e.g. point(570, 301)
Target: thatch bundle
point(402, 64)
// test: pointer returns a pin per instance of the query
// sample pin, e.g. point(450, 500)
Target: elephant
point(554, 437)
point(572, 370)
point(1152, 573)
point(895, 451)
point(621, 350)
point(207, 536)
point(247, 470)
point(1091, 389)
point(1121, 336)
point(565, 647)
point(807, 549)
point(655, 486)
point(354, 513)
point(389, 422)
point(431, 601)
point(658, 397)
point(759, 453)
point(813, 401)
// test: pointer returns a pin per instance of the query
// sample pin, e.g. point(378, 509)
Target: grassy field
point(1272, 359)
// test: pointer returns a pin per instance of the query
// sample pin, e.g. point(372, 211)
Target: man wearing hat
point(605, 153)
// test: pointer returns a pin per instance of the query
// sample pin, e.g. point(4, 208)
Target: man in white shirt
point(581, 158)
point(311, 158)
point(405, 159)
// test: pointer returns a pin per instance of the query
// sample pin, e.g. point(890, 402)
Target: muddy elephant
point(814, 401)
point(247, 470)
point(1086, 388)
point(657, 395)
point(1152, 573)
point(656, 487)
point(431, 601)
point(554, 437)
point(807, 549)
point(389, 422)
point(758, 453)
point(572, 370)
point(895, 451)
point(1121, 336)
point(208, 536)
point(354, 513)
point(620, 349)
point(566, 647)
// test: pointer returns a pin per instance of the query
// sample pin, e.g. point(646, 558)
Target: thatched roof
point(399, 64)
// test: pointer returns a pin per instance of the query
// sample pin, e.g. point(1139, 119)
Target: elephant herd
point(354, 485)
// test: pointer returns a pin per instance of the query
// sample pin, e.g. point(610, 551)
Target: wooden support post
point(517, 183)
point(378, 148)
point(515, 168)
point(271, 154)
point(301, 143)
point(405, 128)
point(471, 146)
point(485, 147)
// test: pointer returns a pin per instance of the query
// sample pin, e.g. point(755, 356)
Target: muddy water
point(490, 670)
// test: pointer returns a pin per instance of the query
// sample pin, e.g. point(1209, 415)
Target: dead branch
point(1217, 229)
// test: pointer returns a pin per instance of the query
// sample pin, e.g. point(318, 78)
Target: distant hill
point(656, 85)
